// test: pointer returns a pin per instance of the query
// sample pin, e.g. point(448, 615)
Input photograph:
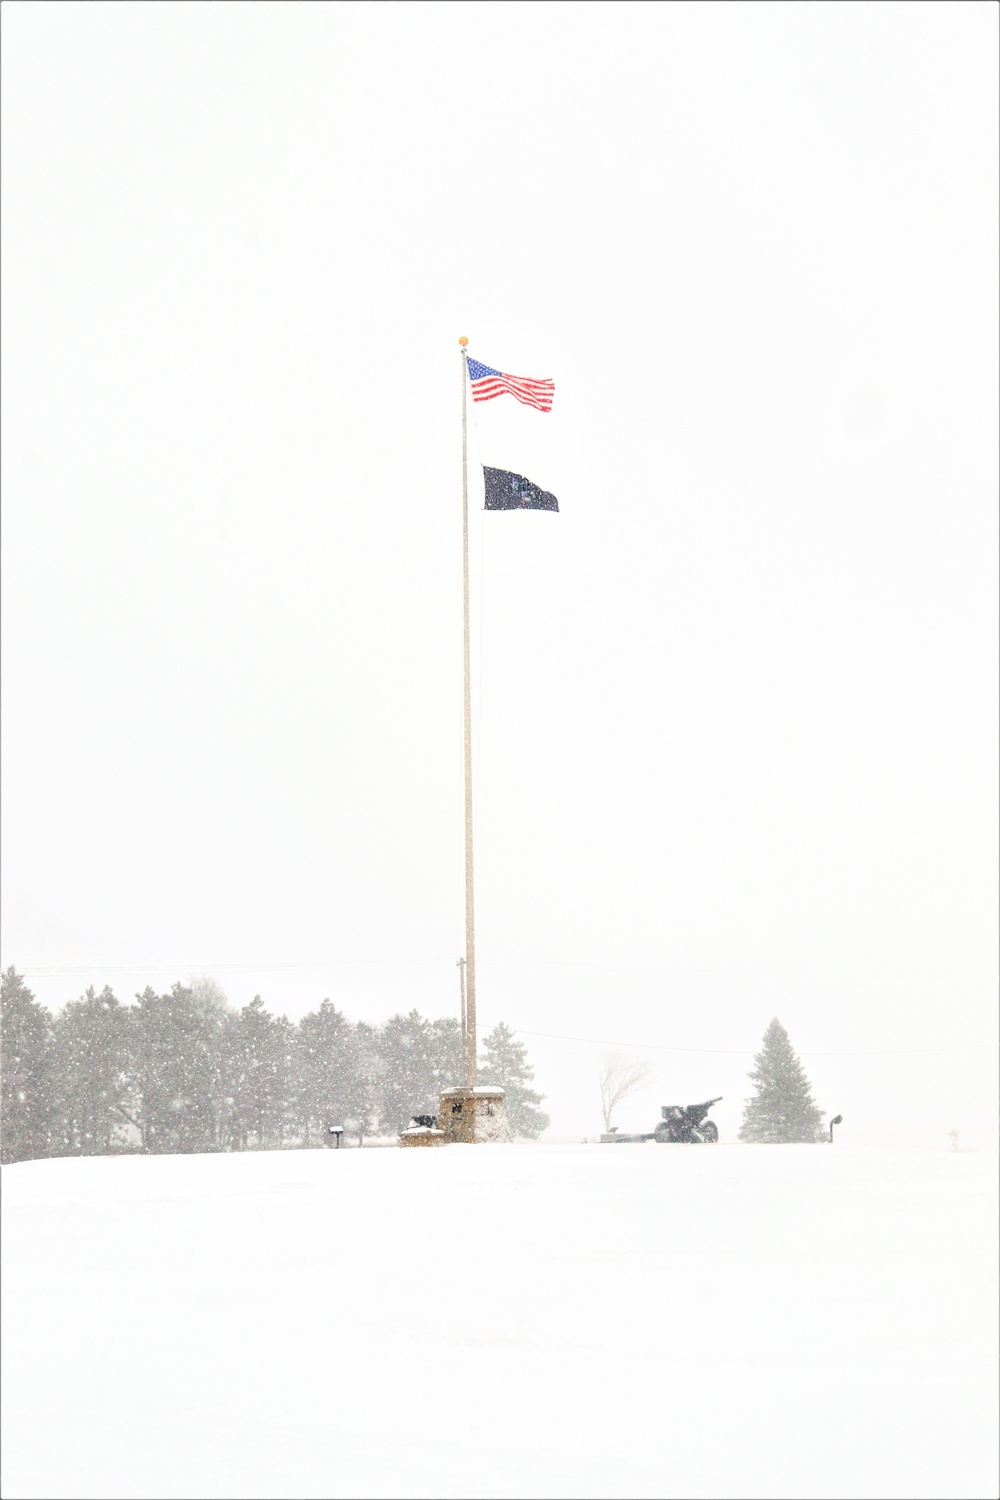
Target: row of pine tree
point(184, 1071)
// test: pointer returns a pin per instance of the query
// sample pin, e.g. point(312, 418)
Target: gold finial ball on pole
point(463, 341)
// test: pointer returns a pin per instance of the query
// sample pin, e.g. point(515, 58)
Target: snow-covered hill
point(503, 1321)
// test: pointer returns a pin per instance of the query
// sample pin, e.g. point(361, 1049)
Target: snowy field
point(531, 1320)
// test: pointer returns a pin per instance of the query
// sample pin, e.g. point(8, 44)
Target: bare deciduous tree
point(209, 995)
point(619, 1077)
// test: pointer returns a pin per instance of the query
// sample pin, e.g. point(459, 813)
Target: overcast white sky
point(736, 718)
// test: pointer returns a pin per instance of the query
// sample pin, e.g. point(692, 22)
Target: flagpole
point(470, 920)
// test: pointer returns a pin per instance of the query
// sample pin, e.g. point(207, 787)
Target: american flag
point(487, 383)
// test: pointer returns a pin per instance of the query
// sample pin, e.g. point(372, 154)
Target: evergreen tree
point(505, 1063)
point(447, 1056)
point(176, 1070)
point(260, 1055)
point(410, 1077)
point(26, 1095)
point(323, 1092)
point(782, 1108)
point(90, 1055)
point(366, 1072)
point(209, 1002)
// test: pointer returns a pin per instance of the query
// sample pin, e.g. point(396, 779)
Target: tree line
point(185, 1071)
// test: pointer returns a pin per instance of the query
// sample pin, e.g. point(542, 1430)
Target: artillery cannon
point(681, 1124)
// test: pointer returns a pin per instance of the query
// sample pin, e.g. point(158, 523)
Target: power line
point(530, 963)
point(69, 971)
point(793, 975)
point(747, 1051)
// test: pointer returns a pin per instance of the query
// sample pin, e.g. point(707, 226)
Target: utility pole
point(461, 982)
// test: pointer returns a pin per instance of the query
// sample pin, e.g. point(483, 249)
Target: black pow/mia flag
point(507, 491)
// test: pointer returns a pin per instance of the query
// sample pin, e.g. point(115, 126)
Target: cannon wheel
point(711, 1132)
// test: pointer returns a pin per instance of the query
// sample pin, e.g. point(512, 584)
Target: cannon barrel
point(707, 1104)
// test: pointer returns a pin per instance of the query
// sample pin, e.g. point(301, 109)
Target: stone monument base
point(474, 1117)
point(422, 1135)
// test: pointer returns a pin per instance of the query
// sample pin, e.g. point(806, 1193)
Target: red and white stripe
point(536, 393)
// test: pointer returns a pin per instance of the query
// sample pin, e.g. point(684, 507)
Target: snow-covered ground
point(529, 1320)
